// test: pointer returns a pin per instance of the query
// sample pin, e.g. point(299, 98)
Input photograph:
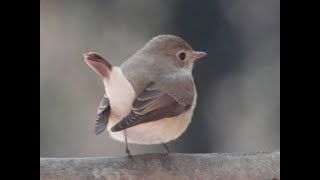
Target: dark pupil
point(182, 56)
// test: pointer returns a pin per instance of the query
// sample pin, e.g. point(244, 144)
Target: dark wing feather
point(157, 101)
point(103, 115)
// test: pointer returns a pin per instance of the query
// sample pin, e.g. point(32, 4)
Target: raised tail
point(101, 66)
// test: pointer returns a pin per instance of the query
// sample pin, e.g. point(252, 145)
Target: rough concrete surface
point(217, 166)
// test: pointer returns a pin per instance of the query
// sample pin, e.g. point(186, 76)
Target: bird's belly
point(121, 96)
point(156, 132)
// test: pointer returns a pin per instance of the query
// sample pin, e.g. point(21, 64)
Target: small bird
point(151, 97)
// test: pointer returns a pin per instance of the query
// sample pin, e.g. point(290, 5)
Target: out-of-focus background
point(238, 82)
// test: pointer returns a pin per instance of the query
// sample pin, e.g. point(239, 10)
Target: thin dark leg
point(165, 146)
point(127, 149)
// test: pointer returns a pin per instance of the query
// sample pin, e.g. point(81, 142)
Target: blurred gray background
point(238, 82)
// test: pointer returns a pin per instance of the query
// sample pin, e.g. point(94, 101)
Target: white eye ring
point(182, 55)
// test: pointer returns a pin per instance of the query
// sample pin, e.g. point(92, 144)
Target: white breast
point(121, 96)
point(120, 92)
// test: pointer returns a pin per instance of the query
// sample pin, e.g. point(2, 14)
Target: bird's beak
point(198, 54)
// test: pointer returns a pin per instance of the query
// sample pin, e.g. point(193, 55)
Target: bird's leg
point(127, 149)
point(165, 146)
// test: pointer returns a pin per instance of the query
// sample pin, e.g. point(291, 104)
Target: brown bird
point(151, 97)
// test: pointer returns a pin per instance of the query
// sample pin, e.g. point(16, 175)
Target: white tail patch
point(120, 92)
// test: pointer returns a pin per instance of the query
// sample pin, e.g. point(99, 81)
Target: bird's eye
point(182, 56)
